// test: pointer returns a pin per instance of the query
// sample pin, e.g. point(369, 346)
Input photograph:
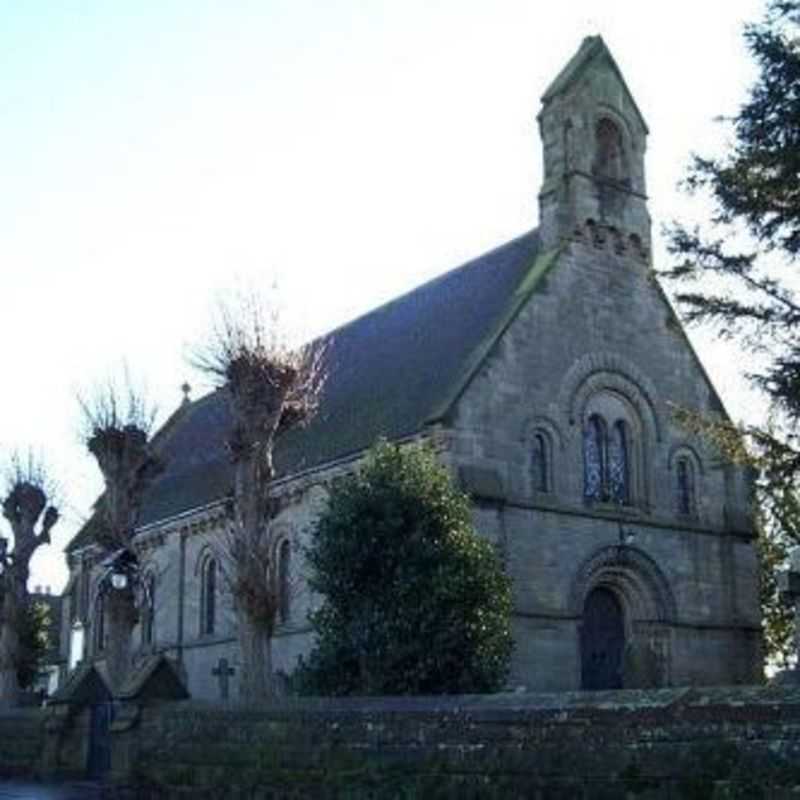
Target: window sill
point(614, 509)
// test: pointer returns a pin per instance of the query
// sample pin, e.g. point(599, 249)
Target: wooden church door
point(602, 641)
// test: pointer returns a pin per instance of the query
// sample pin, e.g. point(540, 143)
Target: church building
point(546, 373)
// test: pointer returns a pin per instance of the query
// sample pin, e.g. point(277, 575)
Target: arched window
point(100, 624)
point(594, 458)
point(540, 463)
point(684, 486)
point(618, 467)
point(208, 596)
point(609, 156)
point(149, 610)
point(284, 578)
point(606, 461)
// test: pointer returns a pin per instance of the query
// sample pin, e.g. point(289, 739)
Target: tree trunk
point(120, 620)
point(9, 647)
point(9, 652)
point(256, 682)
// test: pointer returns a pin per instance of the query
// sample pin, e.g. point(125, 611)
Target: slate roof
point(390, 372)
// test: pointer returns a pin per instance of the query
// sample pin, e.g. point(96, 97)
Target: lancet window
point(540, 463)
point(100, 624)
point(149, 610)
point(284, 580)
point(684, 486)
point(208, 597)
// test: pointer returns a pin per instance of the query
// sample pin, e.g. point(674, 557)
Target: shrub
point(414, 601)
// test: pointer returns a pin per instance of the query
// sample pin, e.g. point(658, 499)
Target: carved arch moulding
point(604, 371)
point(546, 424)
point(633, 575)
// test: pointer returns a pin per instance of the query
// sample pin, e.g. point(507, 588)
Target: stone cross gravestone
point(789, 586)
point(222, 672)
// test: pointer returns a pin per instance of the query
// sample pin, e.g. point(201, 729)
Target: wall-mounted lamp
point(119, 580)
point(122, 569)
point(627, 536)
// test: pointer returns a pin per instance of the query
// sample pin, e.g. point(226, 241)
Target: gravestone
point(223, 672)
point(789, 586)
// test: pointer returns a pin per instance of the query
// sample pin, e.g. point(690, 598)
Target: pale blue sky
point(153, 154)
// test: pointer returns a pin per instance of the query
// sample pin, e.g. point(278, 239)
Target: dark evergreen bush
point(414, 601)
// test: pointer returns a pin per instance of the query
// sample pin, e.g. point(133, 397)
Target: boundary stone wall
point(22, 737)
point(673, 743)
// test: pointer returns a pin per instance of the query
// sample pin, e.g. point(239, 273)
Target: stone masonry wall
point(22, 737)
point(687, 743)
point(739, 742)
point(598, 330)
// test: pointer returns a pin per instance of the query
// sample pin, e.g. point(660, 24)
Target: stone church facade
point(545, 373)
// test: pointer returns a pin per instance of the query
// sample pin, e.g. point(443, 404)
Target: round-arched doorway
point(602, 640)
point(626, 609)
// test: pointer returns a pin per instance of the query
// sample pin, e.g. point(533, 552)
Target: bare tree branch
point(270, 388)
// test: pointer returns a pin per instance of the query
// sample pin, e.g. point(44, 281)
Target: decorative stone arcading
point(609, 238)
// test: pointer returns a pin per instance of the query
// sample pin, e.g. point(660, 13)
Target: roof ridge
point(392, 367)
point(425, 285)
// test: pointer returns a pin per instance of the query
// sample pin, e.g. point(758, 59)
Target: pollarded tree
point(270, 388)
point(28, 510)
point(739, 273)
point(414, 601)
point(116, 430)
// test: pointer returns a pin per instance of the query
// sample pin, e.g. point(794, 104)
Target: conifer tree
point(739, 275)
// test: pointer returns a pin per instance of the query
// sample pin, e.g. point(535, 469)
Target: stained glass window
point(618, 468)
point(594, 446)
point(539, 465)
point(684, 486)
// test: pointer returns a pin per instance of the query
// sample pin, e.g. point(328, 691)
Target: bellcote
point(594, 139)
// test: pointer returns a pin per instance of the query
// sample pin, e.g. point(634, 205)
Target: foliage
point(743, 268)
point(779, 526)
point(34, 640)
point(414, 601)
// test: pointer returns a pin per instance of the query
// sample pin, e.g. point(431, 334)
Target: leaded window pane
point(618, 472)
point(593, 458)
point(539, 464)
